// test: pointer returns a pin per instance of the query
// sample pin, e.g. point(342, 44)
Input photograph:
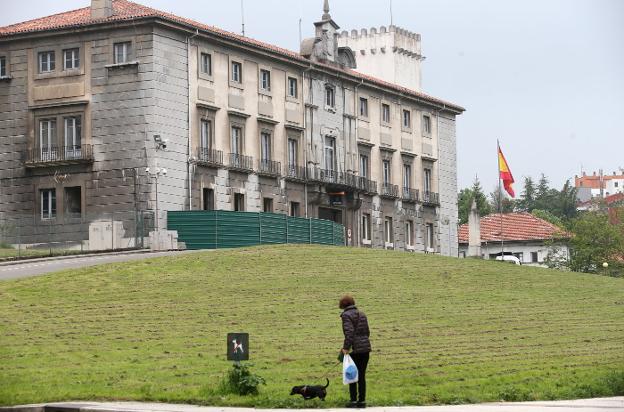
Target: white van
point(509, 258)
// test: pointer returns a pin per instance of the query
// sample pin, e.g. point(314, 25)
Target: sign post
point(237, 347)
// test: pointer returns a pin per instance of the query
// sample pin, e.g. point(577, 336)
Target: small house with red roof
point(522, 235)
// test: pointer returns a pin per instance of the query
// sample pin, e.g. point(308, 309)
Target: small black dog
point(311, 392)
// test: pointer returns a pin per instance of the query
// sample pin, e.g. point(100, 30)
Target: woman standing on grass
point(356, 333)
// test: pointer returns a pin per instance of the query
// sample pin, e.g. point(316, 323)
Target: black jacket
point(355, 329)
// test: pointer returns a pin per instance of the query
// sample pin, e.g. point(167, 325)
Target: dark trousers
point(361, 362)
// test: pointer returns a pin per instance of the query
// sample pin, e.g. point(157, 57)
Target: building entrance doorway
point(330, 214)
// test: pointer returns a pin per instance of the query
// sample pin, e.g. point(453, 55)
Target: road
point(38, 267)
point(581, 405)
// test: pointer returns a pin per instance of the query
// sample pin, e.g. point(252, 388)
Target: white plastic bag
point(349, 371)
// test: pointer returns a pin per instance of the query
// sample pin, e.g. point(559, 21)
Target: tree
point(508, 205)
point(543, 194)
point(465, 198)
point(595, 241)
point(565, 203)
point(527, 198)
point(549, 217)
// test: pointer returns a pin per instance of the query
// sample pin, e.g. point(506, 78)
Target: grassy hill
point(443, 330)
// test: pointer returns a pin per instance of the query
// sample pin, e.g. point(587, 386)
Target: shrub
point(240, 380)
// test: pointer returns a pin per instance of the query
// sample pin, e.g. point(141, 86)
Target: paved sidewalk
point(35, 267)
point(581, 405)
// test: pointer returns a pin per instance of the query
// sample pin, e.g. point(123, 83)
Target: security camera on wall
point(161, 144)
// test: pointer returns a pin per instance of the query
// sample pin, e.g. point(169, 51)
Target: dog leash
point(328, 370)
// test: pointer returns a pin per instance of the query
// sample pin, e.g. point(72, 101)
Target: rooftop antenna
point(243, 16)
point(391, 15)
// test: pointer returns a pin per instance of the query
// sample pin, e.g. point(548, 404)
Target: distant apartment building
point(118, 108)
point(598, 185)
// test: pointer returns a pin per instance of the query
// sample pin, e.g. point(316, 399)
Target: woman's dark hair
point(346, 301)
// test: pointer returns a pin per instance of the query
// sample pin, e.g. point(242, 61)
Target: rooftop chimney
point(101, 9)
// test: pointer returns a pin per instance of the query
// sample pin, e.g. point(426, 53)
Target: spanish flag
point(505, 174)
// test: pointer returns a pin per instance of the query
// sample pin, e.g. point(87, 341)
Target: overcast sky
point(546, 77)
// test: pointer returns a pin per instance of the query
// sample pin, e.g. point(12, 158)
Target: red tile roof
point(516, 227)
point(124, 10)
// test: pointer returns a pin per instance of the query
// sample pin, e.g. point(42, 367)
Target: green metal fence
point(224, 229)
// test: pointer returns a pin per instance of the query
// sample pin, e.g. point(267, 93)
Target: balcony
point(59, 156)
point(241, 163)
point(409, 195)
point(332, 177)
point(294, 172)
point(269, 167)
point(366, 185)
point(431, 199)
point(209, 157)
point(388, 190)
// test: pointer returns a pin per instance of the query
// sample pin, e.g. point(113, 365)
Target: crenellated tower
point(390, 53)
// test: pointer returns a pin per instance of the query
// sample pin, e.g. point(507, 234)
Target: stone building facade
point(118, 108)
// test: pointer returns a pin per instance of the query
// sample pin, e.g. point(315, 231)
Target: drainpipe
point(305, 135)
point(190, 134)
point(357, 158)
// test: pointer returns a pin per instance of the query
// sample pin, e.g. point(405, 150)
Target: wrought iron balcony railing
point(366, 185)
point(269, 167)
point(241, 162)
point(332, 177)
point(49, 155)
point(409, 195)
point(431, 198)
point(388, 190)
point(210, 157)
point(294, 172)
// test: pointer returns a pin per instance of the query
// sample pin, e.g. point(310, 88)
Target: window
point(237, 140)
point(73, 201)
point(237, 72)
point(267, 205)
point(239, 202)
point(407, 176)
point(206, 64)
point(364, 165)
point(330, 150)
point(427, 181)
point(3, 66)
point(71, 59)
point(265, 147)
point(48, 203)
point(47, 139)
point(366, 223)
point(208, 203)
point(426, 125)
point(429, 238)
point(388, 230)
point(386, 172)
point(616, 184)
point(73, 131)
point(294, 209)
point(385, 113)
point(363, 107)
point(407, 119)
point(292, 87)
point(292, 152)
point(122, 52)
point(534, 257)
point(46, 62)
point(330, 97)
point(265, 80)
point(206, 135)
point(409, 233)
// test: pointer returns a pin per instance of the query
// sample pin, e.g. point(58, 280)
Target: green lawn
point(443, 330)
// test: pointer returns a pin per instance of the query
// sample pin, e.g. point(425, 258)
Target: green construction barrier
point(220, 229)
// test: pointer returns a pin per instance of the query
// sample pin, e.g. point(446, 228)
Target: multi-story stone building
point(118, 108)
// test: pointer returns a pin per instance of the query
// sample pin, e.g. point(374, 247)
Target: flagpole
point(500, 200)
